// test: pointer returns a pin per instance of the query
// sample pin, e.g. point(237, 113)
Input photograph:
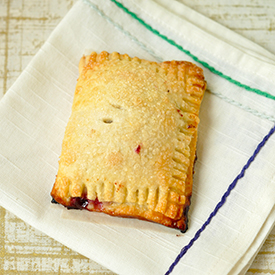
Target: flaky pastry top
point(130, 142)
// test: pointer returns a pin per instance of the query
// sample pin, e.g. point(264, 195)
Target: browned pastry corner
point(130, 143)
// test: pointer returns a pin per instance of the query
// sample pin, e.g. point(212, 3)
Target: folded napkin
point(238, 110)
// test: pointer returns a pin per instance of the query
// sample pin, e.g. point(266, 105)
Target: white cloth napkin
point(34, 113)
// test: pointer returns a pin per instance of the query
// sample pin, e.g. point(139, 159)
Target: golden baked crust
point(130, 143)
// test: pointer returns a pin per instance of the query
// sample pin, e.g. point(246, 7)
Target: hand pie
point(130, 143)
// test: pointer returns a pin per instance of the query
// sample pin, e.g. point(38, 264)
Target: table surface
point(24, 27)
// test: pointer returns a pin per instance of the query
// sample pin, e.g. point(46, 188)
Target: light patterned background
point(24, 26)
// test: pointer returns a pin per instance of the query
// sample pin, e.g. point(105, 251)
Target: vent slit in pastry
point(130, 143)
point(115, 106)
point(107, 120)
